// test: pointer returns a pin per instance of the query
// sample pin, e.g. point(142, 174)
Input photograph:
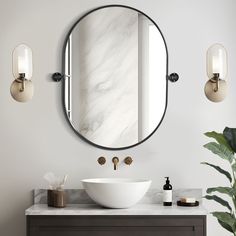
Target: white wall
point(35, 137)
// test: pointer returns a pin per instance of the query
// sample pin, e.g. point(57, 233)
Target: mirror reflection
point(115, 88)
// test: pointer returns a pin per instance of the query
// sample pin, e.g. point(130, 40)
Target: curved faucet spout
point(115, 161)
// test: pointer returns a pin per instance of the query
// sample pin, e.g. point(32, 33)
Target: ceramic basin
point(116, 193)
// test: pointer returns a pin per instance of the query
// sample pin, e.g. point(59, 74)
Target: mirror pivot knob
point(173, 77)
point(57, 76)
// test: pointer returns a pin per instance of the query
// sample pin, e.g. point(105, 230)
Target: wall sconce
point(216, 87)
point(22, 88)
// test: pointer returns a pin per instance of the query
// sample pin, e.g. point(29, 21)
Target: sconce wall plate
point(22, 95)
point(214, 94)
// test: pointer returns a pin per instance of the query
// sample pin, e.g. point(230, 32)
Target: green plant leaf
point(220, 150)
point(224, 172)
point(230, 136)
point(234, 167)
point(219, 200)
point(225, 190)
point(226, 226)
point(220, 138)
point(226, 218)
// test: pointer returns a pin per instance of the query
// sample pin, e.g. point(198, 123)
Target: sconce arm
point(21, 79)
point(216, 79)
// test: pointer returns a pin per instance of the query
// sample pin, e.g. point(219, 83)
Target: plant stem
point(233, 197)
point(233, 173)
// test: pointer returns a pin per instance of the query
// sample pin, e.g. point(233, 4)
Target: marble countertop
point(93, 209)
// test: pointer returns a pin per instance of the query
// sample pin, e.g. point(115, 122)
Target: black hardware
point(173, 77)
point(57, 76)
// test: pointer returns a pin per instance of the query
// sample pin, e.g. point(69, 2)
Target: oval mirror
point(115, 83)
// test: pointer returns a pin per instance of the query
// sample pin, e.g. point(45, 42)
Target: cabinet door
point(116, 226)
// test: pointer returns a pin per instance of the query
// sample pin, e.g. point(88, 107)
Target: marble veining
point(104, 77)
point(93, 209)
point(79, 203)
point(153, 196)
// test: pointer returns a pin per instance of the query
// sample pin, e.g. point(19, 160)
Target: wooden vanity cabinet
point(148, 225)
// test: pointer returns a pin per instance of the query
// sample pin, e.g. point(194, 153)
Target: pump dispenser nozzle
point(167, 180)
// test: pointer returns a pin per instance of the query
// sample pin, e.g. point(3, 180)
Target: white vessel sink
point(116, 193)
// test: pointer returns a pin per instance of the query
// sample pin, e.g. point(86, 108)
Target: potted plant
point(225, 147)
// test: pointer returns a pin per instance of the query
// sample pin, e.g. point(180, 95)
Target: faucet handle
point(115, 160)
point(101, 160)
point(128, 160)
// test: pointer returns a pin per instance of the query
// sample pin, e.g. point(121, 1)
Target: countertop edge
point(93, 209)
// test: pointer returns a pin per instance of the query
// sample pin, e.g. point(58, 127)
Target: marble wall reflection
point(105, 77)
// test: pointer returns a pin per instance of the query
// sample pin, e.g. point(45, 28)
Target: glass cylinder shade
point(22, 61)
point(217, 61)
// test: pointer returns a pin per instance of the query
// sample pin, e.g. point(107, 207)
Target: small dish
point(185, 204)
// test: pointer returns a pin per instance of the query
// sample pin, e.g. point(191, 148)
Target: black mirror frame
point(61, 77)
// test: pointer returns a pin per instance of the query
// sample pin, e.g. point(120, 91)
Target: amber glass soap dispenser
point(167, 193)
